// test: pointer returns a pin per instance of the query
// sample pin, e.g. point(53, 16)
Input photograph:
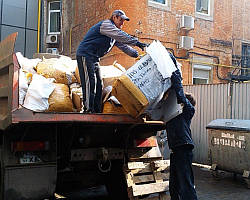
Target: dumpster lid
point(230, 124)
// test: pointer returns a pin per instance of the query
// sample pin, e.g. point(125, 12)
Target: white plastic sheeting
point(38, 93)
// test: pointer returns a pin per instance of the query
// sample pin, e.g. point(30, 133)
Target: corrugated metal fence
point(216, 102)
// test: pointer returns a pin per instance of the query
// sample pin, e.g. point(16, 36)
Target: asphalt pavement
point(225, 186)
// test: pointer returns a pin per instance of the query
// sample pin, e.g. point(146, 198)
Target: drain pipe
point(38, 26)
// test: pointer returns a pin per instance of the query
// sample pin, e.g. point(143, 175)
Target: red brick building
point(217, 32)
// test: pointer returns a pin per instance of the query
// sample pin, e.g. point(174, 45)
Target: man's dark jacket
point(100, 39)
point(178, 129)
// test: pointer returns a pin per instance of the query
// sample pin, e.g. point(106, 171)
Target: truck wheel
point(115, 182)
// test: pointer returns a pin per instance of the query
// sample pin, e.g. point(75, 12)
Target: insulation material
point(146, 76)
point(161, 58)
point(38, 93)
point(112, 108)
point(77, 75)
point(76, 96)
point(59, 100)
point(151, 76)
point(55, 68)
point(110, 73)
point(166, 109)
point(27, 65)
point(23, 86)
point(106, 92)
point(130, 96)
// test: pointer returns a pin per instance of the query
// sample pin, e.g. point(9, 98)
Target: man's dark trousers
point(91, 83)
point(181, 185)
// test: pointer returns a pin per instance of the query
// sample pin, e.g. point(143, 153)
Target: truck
point(42, 152)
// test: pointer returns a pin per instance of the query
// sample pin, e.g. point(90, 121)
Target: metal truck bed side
point(8, 80)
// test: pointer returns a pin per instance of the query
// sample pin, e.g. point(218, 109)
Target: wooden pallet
point(148, 180)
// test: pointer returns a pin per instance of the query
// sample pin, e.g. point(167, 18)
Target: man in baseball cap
point(121, 14)
point(98, 41)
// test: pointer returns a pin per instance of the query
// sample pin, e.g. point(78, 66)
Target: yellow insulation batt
point(130, 96)
point(48, 70)
point(76, 96)
point(77, 75)
point(59, 100)
point(112, 108)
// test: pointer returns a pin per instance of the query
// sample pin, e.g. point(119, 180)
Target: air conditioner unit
point(52, 51)
point(186, 42)
point(187, 22)
point(52, 39)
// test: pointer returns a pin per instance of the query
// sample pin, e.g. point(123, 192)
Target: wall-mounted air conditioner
point(186, 42)
point(187, 22)
point(52, 51)
point(52, 39)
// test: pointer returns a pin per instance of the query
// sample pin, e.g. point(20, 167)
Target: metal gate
point(216, 101)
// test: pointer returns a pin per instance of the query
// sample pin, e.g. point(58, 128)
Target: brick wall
point(241, 24)
point(212, 38)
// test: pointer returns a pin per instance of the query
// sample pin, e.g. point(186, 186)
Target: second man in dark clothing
point(181, 183)
point(98, 41)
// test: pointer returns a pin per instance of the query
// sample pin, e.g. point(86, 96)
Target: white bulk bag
point(38, 93)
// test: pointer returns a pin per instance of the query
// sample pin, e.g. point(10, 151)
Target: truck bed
point(12, 113)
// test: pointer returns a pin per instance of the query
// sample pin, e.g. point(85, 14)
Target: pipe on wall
point(38, 26)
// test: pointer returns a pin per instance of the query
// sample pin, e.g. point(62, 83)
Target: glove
point(176, 77)
point(141, 45)
point(177, 86)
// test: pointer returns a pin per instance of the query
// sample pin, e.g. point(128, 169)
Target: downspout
point(38, 26)
point(61, 24)
point(70, 41)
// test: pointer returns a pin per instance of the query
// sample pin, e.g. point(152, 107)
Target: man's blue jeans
point(181, 184)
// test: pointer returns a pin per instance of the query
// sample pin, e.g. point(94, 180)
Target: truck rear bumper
point(34, 182)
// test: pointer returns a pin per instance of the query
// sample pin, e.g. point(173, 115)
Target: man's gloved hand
point(176, 77)
point(141, 45)
point(177, 86)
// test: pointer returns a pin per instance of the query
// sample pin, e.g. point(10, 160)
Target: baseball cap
point(120, 13)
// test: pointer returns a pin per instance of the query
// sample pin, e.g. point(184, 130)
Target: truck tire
point(116, 183)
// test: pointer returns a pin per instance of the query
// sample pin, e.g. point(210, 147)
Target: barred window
point(54, 23)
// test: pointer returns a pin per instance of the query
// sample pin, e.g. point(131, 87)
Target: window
point(161, 4)
point(204, 9)
point(202, 6)
point(245, 61)
point(201, 74)
point(159, 1)
point(54, 17)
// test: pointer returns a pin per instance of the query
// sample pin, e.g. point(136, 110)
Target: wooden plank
point(165, 176)
point(136, 165)
point(144, 170)
point(140, 167)
point(161, 163)
point(158, 176)
point(139, 190)
point(152, 153)
point(129, 178)
point(160, 196)
point(143, 178)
